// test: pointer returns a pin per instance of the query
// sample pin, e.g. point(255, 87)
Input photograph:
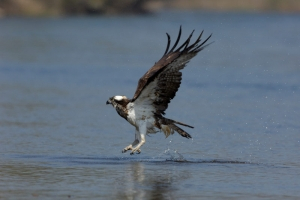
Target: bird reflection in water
point(143, 181)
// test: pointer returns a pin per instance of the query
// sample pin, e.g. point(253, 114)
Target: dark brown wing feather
point(166, 71)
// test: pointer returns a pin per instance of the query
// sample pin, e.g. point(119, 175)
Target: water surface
point(58, 139)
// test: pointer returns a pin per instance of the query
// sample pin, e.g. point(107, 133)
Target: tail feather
point(168, 127)
point(180, 123)
point(180, 131)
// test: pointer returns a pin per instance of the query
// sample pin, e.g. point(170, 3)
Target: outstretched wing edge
point(161, 82)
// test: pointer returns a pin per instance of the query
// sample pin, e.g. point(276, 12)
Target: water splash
point(174, 155)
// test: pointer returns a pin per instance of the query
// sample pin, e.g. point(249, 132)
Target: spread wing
point(160, 83)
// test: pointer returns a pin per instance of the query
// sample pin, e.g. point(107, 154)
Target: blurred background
point(115, 7)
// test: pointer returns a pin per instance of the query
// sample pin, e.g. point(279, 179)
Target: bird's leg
point(138, 146)
point(135, 142)
point(141, 137)
point(129, 147)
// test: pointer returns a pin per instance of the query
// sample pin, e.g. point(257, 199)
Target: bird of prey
point(145, 111)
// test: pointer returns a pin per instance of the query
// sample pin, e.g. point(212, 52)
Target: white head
point(118, 100)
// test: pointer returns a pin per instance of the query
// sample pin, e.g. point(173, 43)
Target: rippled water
point(58, 139)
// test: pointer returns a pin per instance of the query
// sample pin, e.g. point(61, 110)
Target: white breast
point(131, 114)
point(140, 114)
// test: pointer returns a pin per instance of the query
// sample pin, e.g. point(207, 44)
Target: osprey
point(154, 92)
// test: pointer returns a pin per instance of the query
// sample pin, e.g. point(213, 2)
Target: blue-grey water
point(59, 140)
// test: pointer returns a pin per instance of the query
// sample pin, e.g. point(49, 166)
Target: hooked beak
point(108, 102)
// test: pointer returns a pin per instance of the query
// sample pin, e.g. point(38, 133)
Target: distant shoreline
point(36, 8)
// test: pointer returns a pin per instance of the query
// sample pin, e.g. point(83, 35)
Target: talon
point(137, 151)
point(124, 150)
